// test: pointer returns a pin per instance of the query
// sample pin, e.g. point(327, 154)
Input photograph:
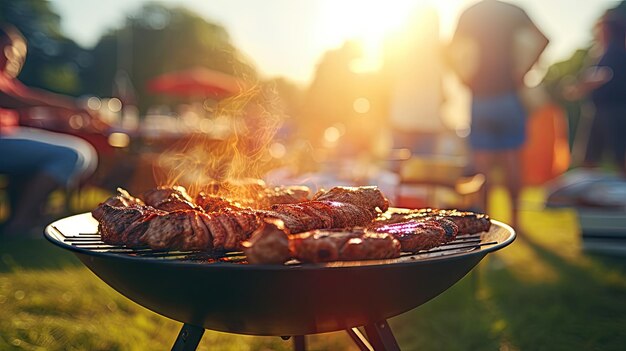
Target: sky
point(288, 37)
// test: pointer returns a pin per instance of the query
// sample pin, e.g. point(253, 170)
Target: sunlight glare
point(371, 22)
point(367, 22)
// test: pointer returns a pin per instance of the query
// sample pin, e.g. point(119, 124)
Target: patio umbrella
point(202, 82)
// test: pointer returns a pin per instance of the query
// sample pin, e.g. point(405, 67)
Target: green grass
point(541, 293)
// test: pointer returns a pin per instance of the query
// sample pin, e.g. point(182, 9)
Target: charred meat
point(169, 198)
point(342, 245)
point(467, 222)
point(170, 220)
point(420, 235)
point(343, 223)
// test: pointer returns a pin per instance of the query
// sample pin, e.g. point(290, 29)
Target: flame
point(230, 164)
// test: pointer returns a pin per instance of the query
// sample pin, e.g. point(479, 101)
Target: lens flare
point(332, 134)
point(114, 105)
point(361, 105)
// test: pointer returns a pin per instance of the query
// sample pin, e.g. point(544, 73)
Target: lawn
point(540, 293)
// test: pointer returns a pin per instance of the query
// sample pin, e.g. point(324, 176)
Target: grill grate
point(93, 242)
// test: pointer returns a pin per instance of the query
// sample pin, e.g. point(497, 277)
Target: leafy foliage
point(159, 40)
point(48, 49)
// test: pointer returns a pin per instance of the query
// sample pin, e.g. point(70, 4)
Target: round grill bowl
point(278, 299)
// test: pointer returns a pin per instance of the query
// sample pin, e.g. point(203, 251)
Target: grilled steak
point(214, 203)
point(283, 195)
point(125, 225)
point(268, 244)
point(172, 198)
point(121, 199)
point(342, 245)
point(369, 197)
point(177, 223)
point(177, 230)
point(343, 223)
point(467, 222)
point(419, 235)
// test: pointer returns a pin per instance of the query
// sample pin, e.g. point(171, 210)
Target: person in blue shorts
point(38, 160)
point(495, 44)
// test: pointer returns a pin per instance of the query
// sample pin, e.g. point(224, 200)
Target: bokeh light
point(76, 122)
point(361, 105)
point(114, 104)
point(332, 134)
point(119, 140)
point(277, 150)
point(94, 103)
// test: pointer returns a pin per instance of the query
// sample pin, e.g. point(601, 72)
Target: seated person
point(39, 160)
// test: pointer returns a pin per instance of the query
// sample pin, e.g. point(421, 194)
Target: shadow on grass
point(33, 254)
point(583, 309)
point(452, 321)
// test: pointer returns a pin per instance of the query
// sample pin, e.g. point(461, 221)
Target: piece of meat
point(291, 222)
point(369, 197)
point(179, 224)
point(175, 203)
point(248, 221)
point(370, 246)
point(312, 215)
point(218, 232)
point(450, 228)
point(156, 195)
point(116, 224)
point(269, 244)
point(175, 231)
point(234, 235)
point(121, 199)
point(201, 230)
point(319, 245)
point(283, 195)
point(342, 245)
point(214, 203)
point(467, 222)
point(415, 235)
point(172, 198)
point(301, 219)
point(347, 215)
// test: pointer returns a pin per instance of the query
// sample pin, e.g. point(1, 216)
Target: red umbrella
point(199, 81)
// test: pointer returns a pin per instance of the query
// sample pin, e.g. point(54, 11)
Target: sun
point(371, 22)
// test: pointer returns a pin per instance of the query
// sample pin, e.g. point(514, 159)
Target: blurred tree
point(156, 40)
point(53, 61)
point(557, 77)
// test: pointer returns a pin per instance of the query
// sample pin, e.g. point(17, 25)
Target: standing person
point(494, 46)
point(413, 65)
point(40, 160)
point(605, 83)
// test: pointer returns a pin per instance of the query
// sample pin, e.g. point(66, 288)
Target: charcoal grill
point(222, 292)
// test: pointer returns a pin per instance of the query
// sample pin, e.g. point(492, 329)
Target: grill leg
point(299, 343)
point(359, 339)
point(188, 338)
point(381, 337)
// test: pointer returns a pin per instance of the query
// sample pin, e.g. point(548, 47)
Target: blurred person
point(604, 83)
point(414, 67)
point(494, 46)
point(40, 161)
